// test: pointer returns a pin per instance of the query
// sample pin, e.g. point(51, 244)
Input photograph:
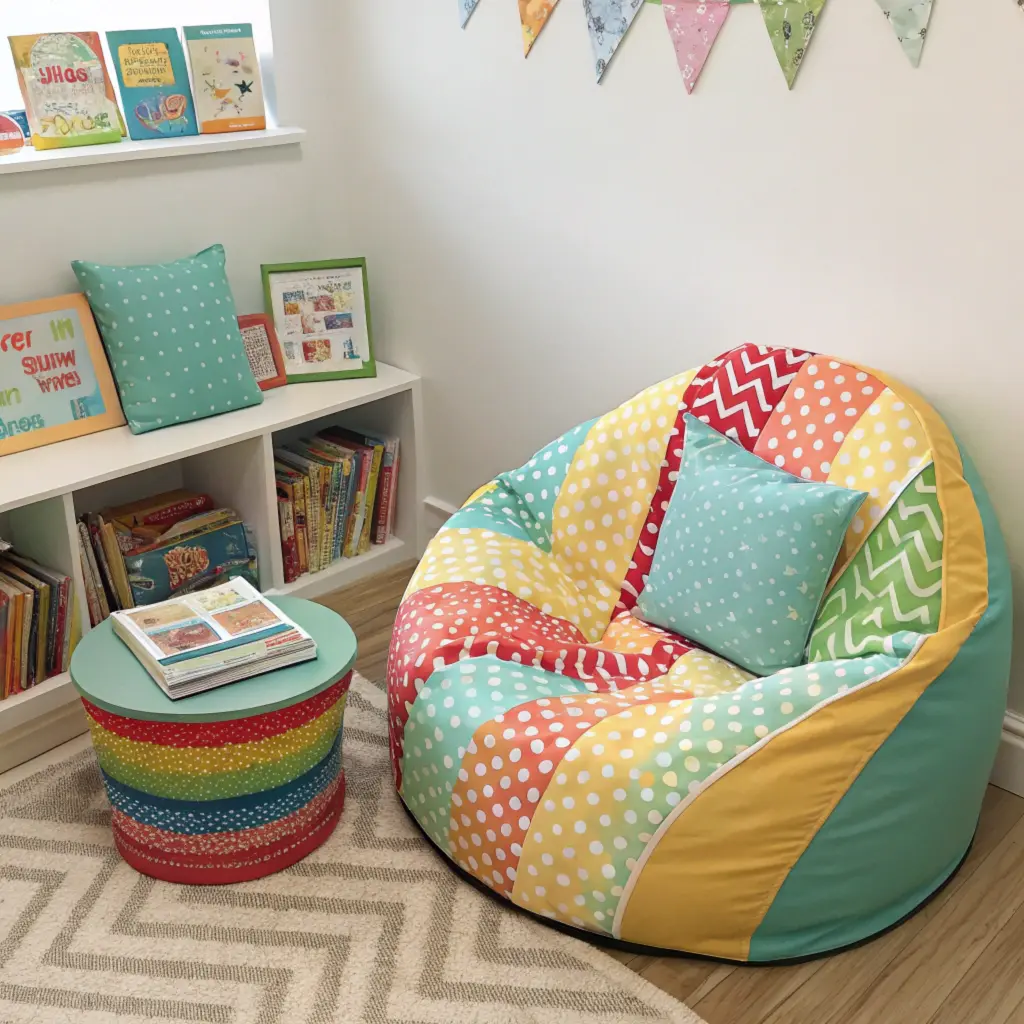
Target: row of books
point(38, 623)
point(150, 550)
point(69, 95)
point(336, 496)
point(220, 635)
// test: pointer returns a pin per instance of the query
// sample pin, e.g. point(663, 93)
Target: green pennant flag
point(909, 20)
point(790, 24)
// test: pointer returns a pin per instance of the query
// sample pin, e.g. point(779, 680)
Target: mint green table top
point(106, 673)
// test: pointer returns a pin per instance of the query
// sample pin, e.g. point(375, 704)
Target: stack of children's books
point(200, 641)
point(335, 497)
point(38, 622)
point(157, 548)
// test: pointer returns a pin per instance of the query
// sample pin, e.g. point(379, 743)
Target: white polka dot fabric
point(744, 554)
point(171, 334)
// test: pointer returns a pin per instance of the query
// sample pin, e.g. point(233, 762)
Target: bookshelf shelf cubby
point(231, 457)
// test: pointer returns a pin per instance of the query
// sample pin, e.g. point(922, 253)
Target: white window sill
point(28, 159)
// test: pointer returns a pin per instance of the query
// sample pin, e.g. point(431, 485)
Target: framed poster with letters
point(54, 379)
point(321, 312)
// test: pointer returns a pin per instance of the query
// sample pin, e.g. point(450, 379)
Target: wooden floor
point(959, 961)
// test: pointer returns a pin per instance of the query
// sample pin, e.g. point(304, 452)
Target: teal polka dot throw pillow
point(744, 554)
point(172, 338)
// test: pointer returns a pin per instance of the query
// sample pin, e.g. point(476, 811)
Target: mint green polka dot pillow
point(744, 554)
point(172, 338)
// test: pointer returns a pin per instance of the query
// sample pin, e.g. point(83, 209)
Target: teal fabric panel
point(449, 708)
point(908, 819)
point(172, 338)
point(744, 553)
point(537, 484)
point(502, 511)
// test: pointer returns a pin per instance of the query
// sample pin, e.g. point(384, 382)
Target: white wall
point(542, 247)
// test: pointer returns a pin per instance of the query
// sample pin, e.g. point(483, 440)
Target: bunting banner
point(790, 24)
point(534, 14)
point(608, 22)
point(909, 20)
point(694, 26)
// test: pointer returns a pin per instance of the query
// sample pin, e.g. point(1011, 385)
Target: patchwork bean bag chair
point(747, 734)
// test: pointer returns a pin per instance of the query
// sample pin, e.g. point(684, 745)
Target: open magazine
point(195, 642)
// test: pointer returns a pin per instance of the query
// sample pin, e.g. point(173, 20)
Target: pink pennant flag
point(694, 26)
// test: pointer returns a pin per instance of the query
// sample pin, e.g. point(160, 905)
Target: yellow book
point(108, 538)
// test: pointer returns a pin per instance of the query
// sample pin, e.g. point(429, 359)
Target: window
point(25, 17)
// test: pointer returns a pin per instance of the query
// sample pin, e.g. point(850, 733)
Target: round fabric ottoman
point(618, 778)
point(227, 785)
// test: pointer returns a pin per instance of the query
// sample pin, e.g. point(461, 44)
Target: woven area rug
point(372, 928)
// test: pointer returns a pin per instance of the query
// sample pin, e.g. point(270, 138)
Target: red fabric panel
point(441, 625)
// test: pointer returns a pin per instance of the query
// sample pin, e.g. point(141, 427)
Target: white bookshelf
point(43, 491)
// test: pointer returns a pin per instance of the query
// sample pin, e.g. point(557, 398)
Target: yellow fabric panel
point(574, 862)
point(479, 493)
point(232, 757)
point(705, 674)
point(460, 555)
point(710, 877)
point(628, 635)
point(888, 442)
point(607, 494)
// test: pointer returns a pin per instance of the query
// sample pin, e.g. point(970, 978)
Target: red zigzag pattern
point(736, 394)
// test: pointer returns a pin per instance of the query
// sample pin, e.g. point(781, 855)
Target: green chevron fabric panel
point(893, 585)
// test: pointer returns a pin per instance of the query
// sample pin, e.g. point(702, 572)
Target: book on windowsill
point(200, 641)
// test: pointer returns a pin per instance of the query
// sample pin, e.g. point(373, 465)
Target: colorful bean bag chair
point(617, 778)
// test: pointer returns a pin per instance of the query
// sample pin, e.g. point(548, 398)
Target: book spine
point(328, 476)
point(90, 586)
point(369, 503)
point(70, 611)
point(106, 577)
point(97, 579)
point(301, 529)
point(393, 494)
point(116, 562)
point(355, 520)
point(286, 517)
point(61, 597)
point(386, 489)
point(344, 506)
point(5, 609)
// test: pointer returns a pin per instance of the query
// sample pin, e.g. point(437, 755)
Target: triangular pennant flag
point(790, 24)
point(694, 26)
point(909, 20)
point(608, 21)
point(534, 15)
point(466, 8)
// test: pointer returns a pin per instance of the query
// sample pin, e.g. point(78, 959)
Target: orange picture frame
point(263, 350)
point(55, 383)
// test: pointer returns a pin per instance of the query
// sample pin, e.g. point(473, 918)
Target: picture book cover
point(153, 79)
point(69, 98)
point(225, 78)
point(55, 382)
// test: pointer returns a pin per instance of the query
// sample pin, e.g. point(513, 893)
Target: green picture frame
point(321, 314)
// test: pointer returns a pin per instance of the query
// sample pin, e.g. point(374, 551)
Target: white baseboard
point(44, 733)
point(1008, 772)
point(438, 512)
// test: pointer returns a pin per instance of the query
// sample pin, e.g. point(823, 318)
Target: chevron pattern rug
point(372, 928)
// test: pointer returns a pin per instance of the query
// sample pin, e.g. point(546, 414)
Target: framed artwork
point(321, 312)
point(54, 379)
point(263, 350)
